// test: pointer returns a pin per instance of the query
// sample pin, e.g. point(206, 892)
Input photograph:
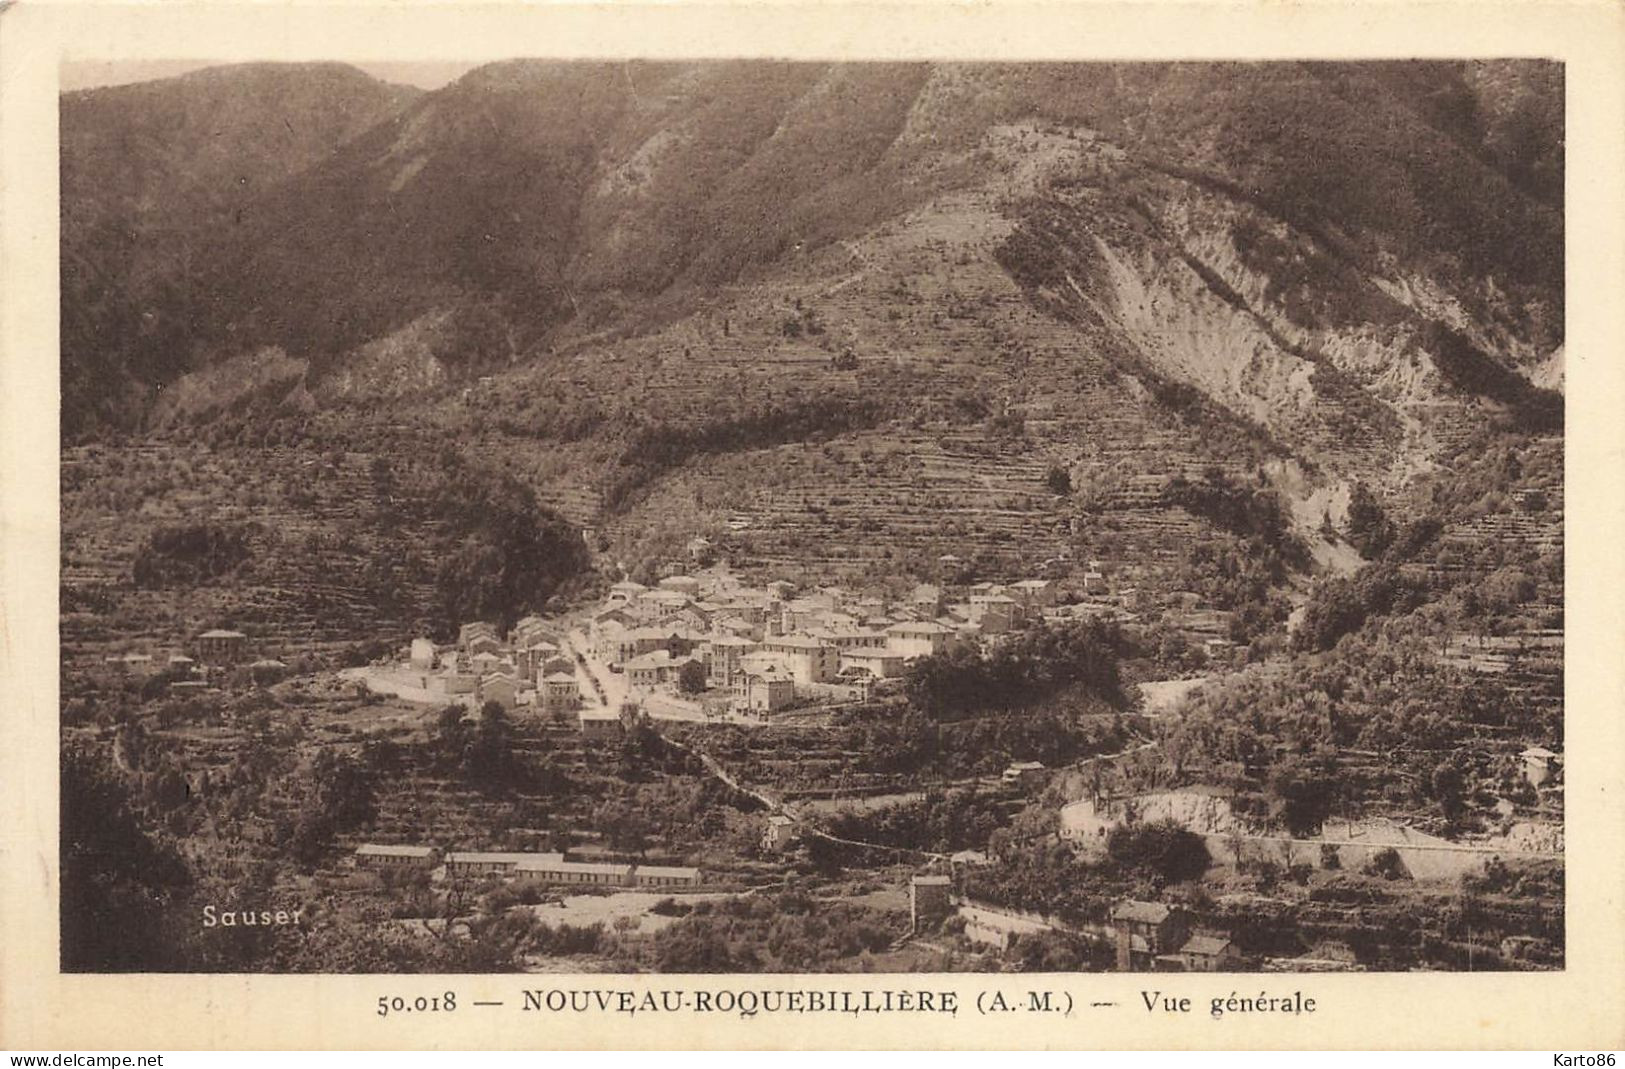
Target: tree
point(489, 760)
point(1369, 529)
point(311, 838)
point(384, 757)
point(640, 748)
point(1033, 666)
point(344, 792)
point(119, 882)
point(691, 678)
point(1387, 864)
point(1163, 849)
point(1304, 796)
point(625, 829)
point(1448, 786)
point(1058, 479)
point(449, 729)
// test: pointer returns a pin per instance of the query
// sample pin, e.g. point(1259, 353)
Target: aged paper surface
point(1580, 1007)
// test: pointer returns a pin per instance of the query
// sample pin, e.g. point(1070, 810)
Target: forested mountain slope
point(678, 293)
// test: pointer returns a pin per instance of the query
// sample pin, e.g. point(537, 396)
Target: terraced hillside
point(858, 317)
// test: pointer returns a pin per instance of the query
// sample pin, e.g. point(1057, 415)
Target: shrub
point(1163, 849)
point(1387, 864)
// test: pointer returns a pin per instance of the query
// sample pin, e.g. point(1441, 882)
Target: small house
point(1202, 952)
point(478, 629)
point(917, 639)
point(1023, 774)
point(779, 833)
point(1034, 594)
point(930, 899)
point(267, 671)
point(878, 664)
point(1540, 765)
point(651, 670)
point(763, 690)
point(500, 688)
point(560, 692)
point(454, 682)
point(221, 646)
point(1143, 930)
point(926, 600)
point(599, 722)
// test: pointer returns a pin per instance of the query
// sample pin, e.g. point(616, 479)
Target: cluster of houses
point(530, 667)
point(550, 868)
point(1145, 936)
point(214, 653)
point(770, 647)
point(1154, 937)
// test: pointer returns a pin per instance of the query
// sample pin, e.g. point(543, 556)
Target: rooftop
point(655, 659)
point(680, 871)
point(386, 850)
point(1204, 944)
point(499, 857)
point(556, 863)
point(655, 633)
point(923, 627)
point(797, 642)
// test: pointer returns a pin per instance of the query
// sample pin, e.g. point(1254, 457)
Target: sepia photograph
point(772, 516)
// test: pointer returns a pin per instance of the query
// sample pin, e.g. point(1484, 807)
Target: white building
point(808, 659)
point(918, 639)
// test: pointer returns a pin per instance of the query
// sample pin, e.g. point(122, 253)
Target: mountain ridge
point(1348, 266)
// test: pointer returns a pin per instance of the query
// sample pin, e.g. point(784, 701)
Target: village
point(1043, 559)
point(709, 647)
point(704, 648)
